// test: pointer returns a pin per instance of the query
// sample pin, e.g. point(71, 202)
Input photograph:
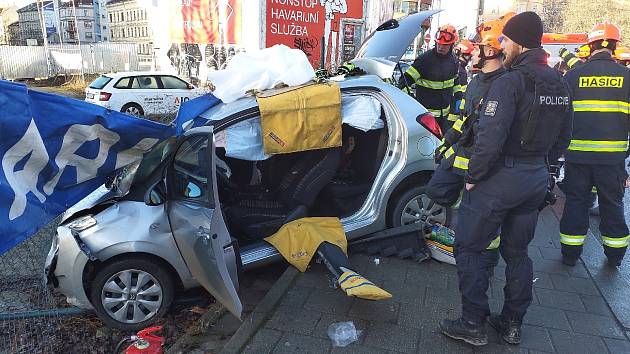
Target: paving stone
point(295, 343)
point(357, 349)
point(493, 348)
point(579, 271)
point(425, 317)
point(576, 285)
point(594, 324)
point(332, 301)
point(296, 296)
point(263, 341)
point(567, 342)
point(499, 273)
point(383, 311)
point(551, 254)
point(495, 290)
point(293, 319)
point(551, 267)
point(432, 341)
point(534, 252)
point(559, 299)
point(426, 278)
point(596, 305)
point(536, 338)
point(546, 317)
point(542, 280)
point(390, 336)
point(315, 278)
point(617, 346)
point(445, 299)
point(403, 292)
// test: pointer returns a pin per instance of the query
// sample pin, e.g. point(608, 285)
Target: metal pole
point(76, 26)
point(40, 13)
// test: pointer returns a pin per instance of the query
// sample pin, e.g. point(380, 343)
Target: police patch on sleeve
point(491, 108)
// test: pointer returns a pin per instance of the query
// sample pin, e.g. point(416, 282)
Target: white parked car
point(141, 93)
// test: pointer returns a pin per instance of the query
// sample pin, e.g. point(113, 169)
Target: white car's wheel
point(130, 294)
point(133, 109)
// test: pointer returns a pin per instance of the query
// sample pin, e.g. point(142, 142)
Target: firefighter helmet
point(622, 54)
point(446, 34)
point(490, 33)
point(604, 31)
point(464, 47)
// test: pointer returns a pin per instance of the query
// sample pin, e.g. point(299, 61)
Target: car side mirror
point(192, 191)
point(155, 195)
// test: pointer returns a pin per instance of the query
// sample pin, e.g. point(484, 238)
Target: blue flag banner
point(57, 150)
point(189, 113)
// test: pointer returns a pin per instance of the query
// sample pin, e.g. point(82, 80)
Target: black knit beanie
point(525, 29)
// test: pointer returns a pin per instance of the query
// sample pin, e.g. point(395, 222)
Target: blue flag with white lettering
point(189, 115)
point(57, 150)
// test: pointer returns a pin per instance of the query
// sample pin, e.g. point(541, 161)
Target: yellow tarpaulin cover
point(356, 285)
point(298, 240)
point(301, 119)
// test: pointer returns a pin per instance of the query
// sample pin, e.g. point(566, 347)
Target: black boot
point(471, 333)
point(569, 261)
point(615, 261)
point(509, 330)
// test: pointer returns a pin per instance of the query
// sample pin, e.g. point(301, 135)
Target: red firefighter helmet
point(464, 47)
point(446, 34)
point(604, 31)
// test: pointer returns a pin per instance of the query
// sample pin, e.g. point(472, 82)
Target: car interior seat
point(262, 214)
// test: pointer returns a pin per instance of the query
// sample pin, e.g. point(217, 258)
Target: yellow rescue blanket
point(298, 240)
point(300, 119)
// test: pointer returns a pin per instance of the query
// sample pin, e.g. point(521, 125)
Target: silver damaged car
point(191, 214)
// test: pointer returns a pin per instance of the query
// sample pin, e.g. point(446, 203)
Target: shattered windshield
point(138, 172)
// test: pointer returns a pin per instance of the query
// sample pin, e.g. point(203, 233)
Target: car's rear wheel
point(413, 206)
point(130, 294)
point(133, 109)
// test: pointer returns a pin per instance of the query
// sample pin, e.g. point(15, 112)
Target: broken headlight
point(82, 223)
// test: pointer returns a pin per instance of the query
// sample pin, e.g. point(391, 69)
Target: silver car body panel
point(128, 226)
point(391, 43)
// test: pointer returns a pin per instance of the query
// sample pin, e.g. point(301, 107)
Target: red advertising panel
point(206, 21)
point(309, 25)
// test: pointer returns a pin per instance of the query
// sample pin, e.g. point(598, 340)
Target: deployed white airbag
point(261, 70)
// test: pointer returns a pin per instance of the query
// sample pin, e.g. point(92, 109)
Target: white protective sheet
point(261, 70)
point(244, 140)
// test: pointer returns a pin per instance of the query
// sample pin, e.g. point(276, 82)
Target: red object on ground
point(148, 342)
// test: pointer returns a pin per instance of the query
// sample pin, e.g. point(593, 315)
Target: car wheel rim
point(422, 208)
point(134, 111)
point(131, 296)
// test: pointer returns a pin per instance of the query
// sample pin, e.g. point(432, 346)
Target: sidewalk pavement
point(568, 313)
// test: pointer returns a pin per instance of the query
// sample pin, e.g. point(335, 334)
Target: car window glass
point(173, 83)
point(191, 168)
point(144, 82)
point(100, 82)
point(123, 83)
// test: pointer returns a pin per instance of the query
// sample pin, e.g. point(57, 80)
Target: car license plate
point(89, 96)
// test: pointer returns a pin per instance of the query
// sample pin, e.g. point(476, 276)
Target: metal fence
point(29, 62)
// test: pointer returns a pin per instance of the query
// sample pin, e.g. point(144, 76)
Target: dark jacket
point(461, 136)
point(436, 78)
point(507, 108)
point(570, 59)
point(600, 90)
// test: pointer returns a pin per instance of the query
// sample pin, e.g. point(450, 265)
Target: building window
point(88, 35)
point(87, 24)
point(111, 18)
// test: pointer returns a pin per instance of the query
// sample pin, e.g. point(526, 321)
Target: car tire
point(133, 109)
point(110, 295)
point(404, 209)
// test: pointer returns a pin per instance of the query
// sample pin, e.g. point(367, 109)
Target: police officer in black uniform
point(601, 99)
point(525, 118)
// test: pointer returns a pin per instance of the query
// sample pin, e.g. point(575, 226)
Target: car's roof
point(137, 73)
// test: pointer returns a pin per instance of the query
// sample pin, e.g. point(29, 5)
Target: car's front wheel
point(133, 109)
point(130, 294)
point(414, 206)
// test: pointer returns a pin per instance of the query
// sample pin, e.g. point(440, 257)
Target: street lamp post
point(76, 26)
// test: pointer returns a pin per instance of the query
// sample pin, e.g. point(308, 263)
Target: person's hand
point(439, 153)
point(469, 186)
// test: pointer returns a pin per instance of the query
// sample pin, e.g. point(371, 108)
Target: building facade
point(101, 21)
point(30, 25)
point(8, 16)
point(77, 22)
point(129, 22)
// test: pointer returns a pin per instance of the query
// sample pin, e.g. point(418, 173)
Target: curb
point(261, 313)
